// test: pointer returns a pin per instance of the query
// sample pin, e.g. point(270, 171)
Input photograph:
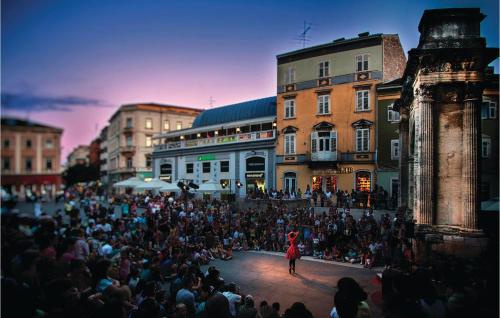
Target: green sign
point(206, 157)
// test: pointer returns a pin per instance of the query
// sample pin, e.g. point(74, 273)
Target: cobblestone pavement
point(266, 277)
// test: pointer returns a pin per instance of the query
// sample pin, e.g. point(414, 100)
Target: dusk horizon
point(65, 61)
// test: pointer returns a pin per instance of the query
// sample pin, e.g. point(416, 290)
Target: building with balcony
point(326, 111)
point(130, 136)
point(31, 156)
point(226, 144)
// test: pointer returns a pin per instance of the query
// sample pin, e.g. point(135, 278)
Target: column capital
point(473, 90)
point(426, 92)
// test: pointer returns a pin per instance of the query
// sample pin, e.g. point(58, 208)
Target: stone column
point(403, 158)
point(471, 126)
point(425, 185)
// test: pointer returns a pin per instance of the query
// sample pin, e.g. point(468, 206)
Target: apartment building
point(326, 112)
point(31, 156)
point(130, 136)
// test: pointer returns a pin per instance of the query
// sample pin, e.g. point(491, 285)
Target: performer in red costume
point(293, 251)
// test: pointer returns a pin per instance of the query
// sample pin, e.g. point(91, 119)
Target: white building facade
point(228, 144)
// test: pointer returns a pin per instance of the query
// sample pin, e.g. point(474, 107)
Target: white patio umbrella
point(154, 184)
point(211, 186)
point(170, 187)
point(129, 183)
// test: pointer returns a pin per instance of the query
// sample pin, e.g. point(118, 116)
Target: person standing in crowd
point(293, 252)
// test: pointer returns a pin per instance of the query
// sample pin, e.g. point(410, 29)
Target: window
point(392, 115)
point(289, 108)
point(492, 110)
point(290, 75)
point(49, 144)
point(290, 181)
point(149, 123)
point(362, 140)
point(324, 69)
point(289, 144)
point(395, 149)
point(129, 162)
point(323, 104)
point(129, 141)
point(324, 141)
point(206, 167)
point(128, 122)
point(224, 166)
point(149, 141)
point(362, 100)
point(28, 164)
point(362, 63)
point(148, 161)
point(166, 125)
point(6, 143)
point(485, 147)
point(5, 163)
point(488, 110)
point(179, 125)
point(189, 168)
point(165, 169)
point(48, 164)
point(28, 143)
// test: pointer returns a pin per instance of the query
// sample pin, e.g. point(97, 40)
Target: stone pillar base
point(448, 240)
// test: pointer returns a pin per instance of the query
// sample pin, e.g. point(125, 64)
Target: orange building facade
point(326, 112)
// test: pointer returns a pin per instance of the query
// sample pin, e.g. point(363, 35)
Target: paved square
point(266, 277)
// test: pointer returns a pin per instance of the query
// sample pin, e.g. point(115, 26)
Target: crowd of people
point(144, 258)
point(377, 199)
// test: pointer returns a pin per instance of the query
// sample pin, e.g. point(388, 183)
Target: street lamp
point(224, 185)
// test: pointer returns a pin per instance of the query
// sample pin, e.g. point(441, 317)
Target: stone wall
point(394, 60)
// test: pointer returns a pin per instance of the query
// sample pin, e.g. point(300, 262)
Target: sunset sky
point(72, 63)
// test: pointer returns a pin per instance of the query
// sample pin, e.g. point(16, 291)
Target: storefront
point(255, 175)
point(363, 181)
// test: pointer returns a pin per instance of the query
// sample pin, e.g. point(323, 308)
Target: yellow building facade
point(326, 112)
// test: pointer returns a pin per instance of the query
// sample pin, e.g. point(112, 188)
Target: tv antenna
point(303, 37)
point(211, 102)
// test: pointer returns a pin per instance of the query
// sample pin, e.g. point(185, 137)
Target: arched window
point(290, 182)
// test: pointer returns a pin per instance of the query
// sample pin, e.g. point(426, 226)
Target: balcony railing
point(324, 156)
point(127, 148)
point(320, 156)
point(218, 140)
point(128, 130)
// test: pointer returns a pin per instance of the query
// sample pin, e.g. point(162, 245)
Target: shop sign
point(290, 158)
point(206, 157)
point(222, 140)
point(191, 143)
point(166, 178)
point(244, 137)
point(340, 170)
point(254, 175)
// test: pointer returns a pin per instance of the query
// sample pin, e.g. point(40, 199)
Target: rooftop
point(157, 107)
point(339, 43)
point(237, 112)
point(16, 122)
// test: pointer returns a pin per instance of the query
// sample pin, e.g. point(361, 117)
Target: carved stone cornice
point(426, 92)
point(473, 90)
